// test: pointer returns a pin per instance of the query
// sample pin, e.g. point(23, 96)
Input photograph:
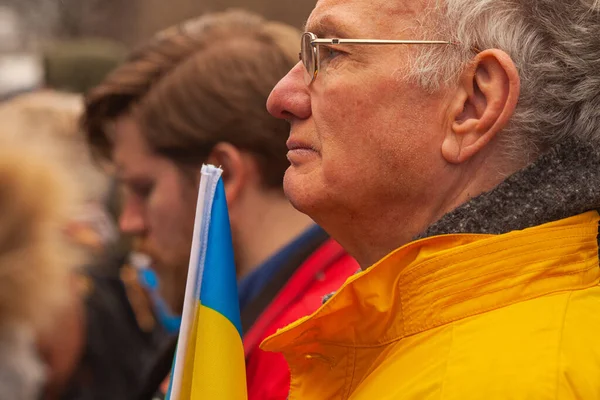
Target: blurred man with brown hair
point(196, 94)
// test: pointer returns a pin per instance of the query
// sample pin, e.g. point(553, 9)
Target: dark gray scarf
point(562, 183)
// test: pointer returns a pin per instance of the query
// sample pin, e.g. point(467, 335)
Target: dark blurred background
point(131, 21)
point(36, 33)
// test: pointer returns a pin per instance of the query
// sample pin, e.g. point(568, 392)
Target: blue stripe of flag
point(219, 282)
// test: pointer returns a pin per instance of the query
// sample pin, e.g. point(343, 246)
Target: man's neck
point(386, 227)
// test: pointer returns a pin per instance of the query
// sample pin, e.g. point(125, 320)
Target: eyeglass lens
point(308, 58)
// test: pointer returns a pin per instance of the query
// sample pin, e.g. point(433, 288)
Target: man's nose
point(131, 220)
point(290, 98)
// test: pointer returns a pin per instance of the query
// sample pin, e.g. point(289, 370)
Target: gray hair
point(555, 46)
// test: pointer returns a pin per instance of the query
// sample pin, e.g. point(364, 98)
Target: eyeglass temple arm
point(374, 41)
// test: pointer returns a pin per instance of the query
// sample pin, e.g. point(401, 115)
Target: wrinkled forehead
point(365, 18)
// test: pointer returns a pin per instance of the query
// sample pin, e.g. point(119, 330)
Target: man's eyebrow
point(328, 26)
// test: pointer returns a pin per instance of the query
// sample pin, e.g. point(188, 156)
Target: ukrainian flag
point(209, 363)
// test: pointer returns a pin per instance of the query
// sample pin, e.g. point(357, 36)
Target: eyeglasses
point(310, 57)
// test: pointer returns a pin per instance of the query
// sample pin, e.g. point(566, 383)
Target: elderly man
point(452, 148)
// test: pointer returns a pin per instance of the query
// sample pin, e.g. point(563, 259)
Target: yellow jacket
point(512, 316)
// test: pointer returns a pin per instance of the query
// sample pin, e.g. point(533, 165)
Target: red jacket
point(323, 272)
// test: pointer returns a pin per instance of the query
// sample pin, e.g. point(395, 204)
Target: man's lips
point(300, 152)
point(298, 145)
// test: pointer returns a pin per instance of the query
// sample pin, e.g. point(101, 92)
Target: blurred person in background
point(41, 335)
point(117, 327)
point(196, 94)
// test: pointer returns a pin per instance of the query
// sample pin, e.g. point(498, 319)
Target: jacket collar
point(437, 280)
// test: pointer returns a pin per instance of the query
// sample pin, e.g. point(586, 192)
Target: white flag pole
point(190, 302)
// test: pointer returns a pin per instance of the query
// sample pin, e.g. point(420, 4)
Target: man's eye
point(329, 53)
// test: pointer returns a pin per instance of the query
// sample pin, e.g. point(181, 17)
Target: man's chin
point(301, 191)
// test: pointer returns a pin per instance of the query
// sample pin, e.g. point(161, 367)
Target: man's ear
point(235, 169)
point(484, 102)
